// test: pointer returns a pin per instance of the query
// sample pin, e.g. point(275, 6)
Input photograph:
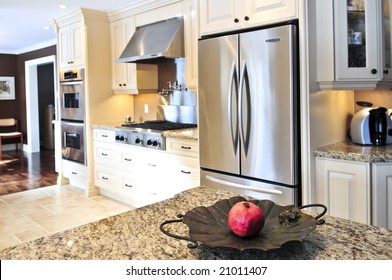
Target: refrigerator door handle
point(244, 127)
point(233, 87)
point(239, 186)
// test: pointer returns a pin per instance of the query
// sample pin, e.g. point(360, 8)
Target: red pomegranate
point(246, 219)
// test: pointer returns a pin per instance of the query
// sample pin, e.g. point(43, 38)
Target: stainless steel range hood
point(155, 43)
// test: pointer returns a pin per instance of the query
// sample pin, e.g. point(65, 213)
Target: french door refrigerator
point(248, 113)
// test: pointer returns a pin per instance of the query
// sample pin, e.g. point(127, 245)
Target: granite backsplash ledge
point(347, 150)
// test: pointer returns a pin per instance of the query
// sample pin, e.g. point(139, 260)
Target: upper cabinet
point(225, 15)
point(191, 34)
point(123, 77)
point(71, 45)
point(353, 44)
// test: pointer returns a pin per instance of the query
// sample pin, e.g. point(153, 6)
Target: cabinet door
point(123, 74)
point(357, 39)
point(258, 12)
point(387, 39)
point(191, 35)
point(382, 194)
point(71, 47)
point(344, 187)
point(219, 15)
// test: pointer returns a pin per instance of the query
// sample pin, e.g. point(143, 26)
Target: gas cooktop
point(159, 125)
point(147, 134)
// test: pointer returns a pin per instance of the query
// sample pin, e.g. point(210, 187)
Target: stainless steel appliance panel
point(268, 105)
point(260, 190)
point(72, 100)
point(218, 121)
point(73, 144)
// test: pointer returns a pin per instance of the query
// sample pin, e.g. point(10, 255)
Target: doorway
point(32, 100)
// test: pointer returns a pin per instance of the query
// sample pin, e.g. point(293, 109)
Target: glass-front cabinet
point(386, 15)
point(357, 39)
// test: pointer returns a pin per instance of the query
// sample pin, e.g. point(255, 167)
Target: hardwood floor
point(20, 171)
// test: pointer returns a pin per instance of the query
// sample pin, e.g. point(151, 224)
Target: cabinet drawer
point(74, 171)
point(104, 135)
point(182, 147)
point(105, 178)
point(105, 154)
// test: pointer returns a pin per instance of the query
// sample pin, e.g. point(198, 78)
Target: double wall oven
point(72, 102)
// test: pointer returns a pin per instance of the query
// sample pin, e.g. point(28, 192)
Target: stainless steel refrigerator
point(248, 113)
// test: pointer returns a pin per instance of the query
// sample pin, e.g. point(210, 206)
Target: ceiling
point(23, 22)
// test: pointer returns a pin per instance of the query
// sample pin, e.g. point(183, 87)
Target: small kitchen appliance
point(372, 126)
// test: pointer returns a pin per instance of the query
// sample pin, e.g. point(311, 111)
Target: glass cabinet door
point(387, 71)
point(357, 39)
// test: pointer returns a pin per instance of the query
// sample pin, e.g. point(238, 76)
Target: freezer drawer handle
point(235, 185)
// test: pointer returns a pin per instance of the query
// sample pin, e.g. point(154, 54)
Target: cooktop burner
point(159, 125)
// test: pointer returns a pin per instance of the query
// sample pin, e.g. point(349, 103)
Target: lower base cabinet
point(344, 187)
point(382, 194)
point(356, 191)
point(139, 176)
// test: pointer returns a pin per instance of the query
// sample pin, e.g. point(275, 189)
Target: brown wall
point(8, 67)
point(14, 65)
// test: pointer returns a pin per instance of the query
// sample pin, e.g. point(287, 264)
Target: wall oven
point(72, 100)
point(73, 147)
point(72, 112)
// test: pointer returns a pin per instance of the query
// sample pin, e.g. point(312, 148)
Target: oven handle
point(71, 83)
point(72, 123)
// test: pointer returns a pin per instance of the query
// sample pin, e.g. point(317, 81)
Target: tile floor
point(32, 214)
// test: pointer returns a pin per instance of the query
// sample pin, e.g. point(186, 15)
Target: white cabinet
point(139, 176)
point(191, 32)
point(71, 45)
point(353, 43)
point(123, 74)
point(76, 173)
point(382, 194)
point(344, 187)
point(225, 15)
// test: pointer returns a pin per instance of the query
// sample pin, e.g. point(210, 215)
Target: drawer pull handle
point(127, 159)
point(186, 172)
point(128, 186)
point(153, 165)
point(186, 147)
point(74, 173)
point(105, 178)
point(104, 136)
point(103, 154)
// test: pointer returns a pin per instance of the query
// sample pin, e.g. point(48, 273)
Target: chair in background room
point(12, 132)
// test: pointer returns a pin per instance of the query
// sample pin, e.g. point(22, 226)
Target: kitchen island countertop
point(136, 235)
point(347, 150)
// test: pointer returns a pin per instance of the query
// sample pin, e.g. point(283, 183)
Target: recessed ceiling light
point(62, 6)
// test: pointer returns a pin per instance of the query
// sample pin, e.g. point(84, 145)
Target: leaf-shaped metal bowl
point(208, 225)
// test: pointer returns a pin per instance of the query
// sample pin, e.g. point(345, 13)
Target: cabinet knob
point(246, 18)
point(386, 71)
point(374, 71)
point(236, 20)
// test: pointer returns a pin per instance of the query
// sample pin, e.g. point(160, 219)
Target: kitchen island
point(136, 235)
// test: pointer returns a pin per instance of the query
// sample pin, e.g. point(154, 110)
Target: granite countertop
point(349, 151)
point(186, 134)
point(136, 235)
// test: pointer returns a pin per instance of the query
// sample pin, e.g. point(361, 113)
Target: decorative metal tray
point(208, 225)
